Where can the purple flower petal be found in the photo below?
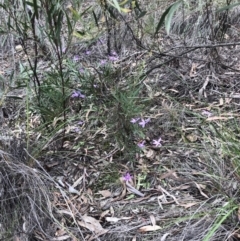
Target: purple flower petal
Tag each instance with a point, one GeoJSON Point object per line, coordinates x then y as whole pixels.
{"type": "Point", "coordinates": [134, 120]}
{"type": "Point", "coordinates": [74, 94]}
{"type": "Point", "coordinates": [112, 58]}
{"type": "Point", "coordinates": [81, 70]}
{"type": "Point", "coordinates": [77, 94]}
{"type": "Point", "coordinates": [81, 96]}
{"type": "Point", "coordinates": [207, 113]}
{"type": "Point", "coordinates": [157, 143]}
{"type": "Point", "coordinates": [88, 52]}
{"type": "Point", "coordinates": [103, 61]}
{"type": "Point", "coordinates": [143, 122]}
{"type": "Point", "coordinates": [127, 177]}
{"type": "Point", "coordinates": [141, 144]}
{"type": "Point", "coordinates": [76, 58]}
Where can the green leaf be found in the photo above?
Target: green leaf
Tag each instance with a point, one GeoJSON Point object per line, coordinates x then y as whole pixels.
{"type": "Point", "coordinates": [167, 17]}
{"type": "Point", "coordinates": [227, 7]}
{"type": "Point", "coordinates": [69, 24]}
{"type": "Point", "coordinates": [115, 4]}
{"type": "Point", "coordinates": [95, 18]}
{"type": "Point", "coordinates": [142, 14]}
{"type": "Point", "coordinates": [35, 7]}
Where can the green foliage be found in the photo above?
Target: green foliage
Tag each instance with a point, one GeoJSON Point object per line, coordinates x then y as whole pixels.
{"type": "Point", "coordinates": [224, 213]}
{"type": "Point", "coordinates": [127, 104]}
{"type": "Point", "coordinates": [167, 17]}
{"type": "Point", "coordinates": [40, 26]}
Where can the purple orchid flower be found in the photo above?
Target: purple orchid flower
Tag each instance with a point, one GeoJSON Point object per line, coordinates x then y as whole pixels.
{"type": "Point", "coordinates": [143, 122]}
{"type": "Point", "coordinates": [206, 113]}
{"type": "Point", "coordinates": [157, 143]}
{"type": "Point", "coordinates": [103, 62]}
{"type": "Point", "coordinates": [81, 70]}
{"type": "Point", "coordinates": [134, 120]}
{"type": "Point", "coordinates": [141, 144]}
{"type": "Point", "coordinates": [113, 58]}
{"type": "Point", "coordinates": [127, 177]}
{"type": "Point", "coordinates": [76, 58]}
{"type": "Point", "coordinates": [77, 94]}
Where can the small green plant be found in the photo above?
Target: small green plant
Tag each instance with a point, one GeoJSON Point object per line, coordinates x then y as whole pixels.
{"type": "Point", "coordinates": [223, 215]}
{"type": "Point", "coordinates": [45, 30]}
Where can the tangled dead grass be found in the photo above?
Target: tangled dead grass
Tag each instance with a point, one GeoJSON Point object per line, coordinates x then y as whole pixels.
{"type": "Point", "coordinates": [25, 199]}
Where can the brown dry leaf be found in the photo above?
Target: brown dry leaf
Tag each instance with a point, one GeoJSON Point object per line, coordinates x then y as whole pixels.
{"type": "Point", "coordinates": [60, 232]}
{"type": "Point", "coordinates": [64, 237]}
{"type": "Point", "coordinates": [105, 193]}
{"type": "Point", "coordinates": [213, 118]}
{"type": "Point", "coordinates": [168, 174]}
{"type": "Point", "coordinates": [149, 228]}
{"type": "Point", "coordinates": [224, 101]}
{"type": "Point", "coordinates": [173, 90]}
{"type": "Point", "coordinates": [91, 223]}
{"type": "Point", "coordinates": [182, 187]}
{"type": "Point", "coordinates": [153, 220]}
{"type": "Point", "coordinates": [112, 219]}
{"type": "Point", "coordinates": [221, 102]}
{"type": "Point", "coordinates": [65, 212]}
{"type": "Point", "coordinates": [164, 237]}
{"type": "Point", "coordinates": [103, 214]}
{"type": "Point", "coordinates": [187, 205]}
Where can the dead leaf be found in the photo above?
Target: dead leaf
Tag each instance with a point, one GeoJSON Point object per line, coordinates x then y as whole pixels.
{"type": "Point", "coordinates": [60, 232]}
{"type": "Point", "coordinates": [182, 187]}
{"type": "Point", "coordinates": [112, 219]}
{"type": "Point", "coordinates": [91, 224]}
{"type": "Point", "coordinates": [163, 238]}
{"type": "Point", "coordinates": [103, 214]}
{"type": "Point", "coordinates": [187, 205]}
{"type": "Point", "coordinates": [149, 228]}
{"type": "Point", "coordinates": [153, 220]}
{"type": "Point", "coordinates": [105, 193]}
{"type": "Point", "coordinates": [64, 237]}
{"type": "Point", "coordinates": [213, 118]}
{"type": "Point", "coordinates": [65, 212]}
{"type": "Point", "coordinates": [173, 90]}
{"type": "Point", "coordinates": [168, 174]}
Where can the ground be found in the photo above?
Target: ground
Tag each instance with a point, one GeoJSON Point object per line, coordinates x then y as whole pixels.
{"type": "Point", "coordinates": [149, 146]}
